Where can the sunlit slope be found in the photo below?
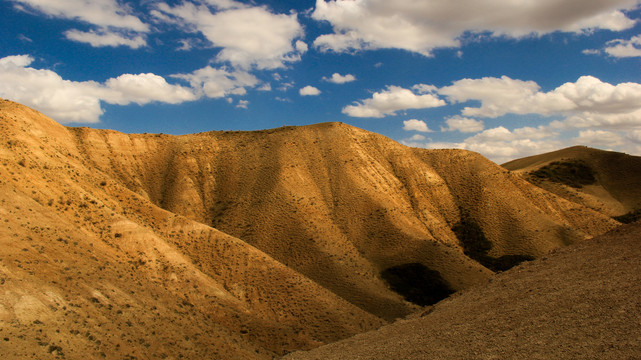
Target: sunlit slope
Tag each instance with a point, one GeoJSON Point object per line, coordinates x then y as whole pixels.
{"type": "Point", "coordinates": [90, 268]}
{"type": "Point", "coordinates": [579, 302]}
{"type": "Point", "coordinates": [616, 188]}
{"type": "Point", "coordinates": [339, 204]}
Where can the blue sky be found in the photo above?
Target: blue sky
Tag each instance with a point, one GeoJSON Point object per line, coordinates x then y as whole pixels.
{"type": "Point", "coordinates": [503, 78]}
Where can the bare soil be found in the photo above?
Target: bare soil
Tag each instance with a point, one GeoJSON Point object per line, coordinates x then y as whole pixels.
{"type": "Point", "coordinates": [581, 302]}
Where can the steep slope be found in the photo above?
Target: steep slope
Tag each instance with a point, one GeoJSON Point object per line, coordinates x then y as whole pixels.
{"type": "Point", "coordinates": [580, 302]}
{"type": "Point", "coordinates": [341, 205]}
{"type": "Point", "coordinates": [90, 268]}
{"type": "Point", "coordinates": [243, 244]}
{"type": "Point", "coordinates": [615, 189]}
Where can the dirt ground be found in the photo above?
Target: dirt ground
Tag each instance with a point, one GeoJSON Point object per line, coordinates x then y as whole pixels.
{"type": "Point", "coordinates": [581, 302]}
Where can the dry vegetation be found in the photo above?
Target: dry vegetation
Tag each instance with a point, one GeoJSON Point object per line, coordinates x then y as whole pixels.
{"type": "Point", "coordinates": [239, 244]}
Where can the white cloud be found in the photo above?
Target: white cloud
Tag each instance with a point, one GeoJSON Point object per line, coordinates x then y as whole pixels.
{"type": "Point", "coordinates": [588, 102]}
{"type": "Point", "coordinates": [388, 102]}
{"type": "Point", "coordinates": [499, 96]}
{"type": "Point", "coordinates": [340, 79]}
{"type": "Point", "coordinates": [309, 91]}
{"type": "Point", "coordinates": [591, 52]}
{"type": "Point", "coordinates": [503, 151]}
{"type": "Point", "coordinates": [301, 46]}
{"type": "Point", "coordinates": [416, 125]}
{"type": "Point", "coordinates": [416, 137]}
{"type": "Point", "coordinates": [421, 26]}
{"type": "Point", "coordinates": [116, 26]}
{"type": "Point", "coordinates": [284, 86]}
{"type": "Point", "coordinates": [265, 87]}
{"type": "Point", "coordinates": [103, 13]}
{"type": "Point", "coordinates": [249, 36]}
{"type": "Point", "coordinates": [142, 89]}
{"type": "Point", "coordinates": [72, 101]}
{"type": "Point", "coordinates": [624, 48]}
{"type": "Point", "coordinates": [105, 38]}
{"type": "Point", "coordinates": [500, 144]}
{"type": "Point", "coordinates": [217, 83]}
{"type": "Point", "coordinates": [599, 138]}
{"type": "Point", "coordinates": [463, 124]}
{"type": "Point", "coordinates": [242, 104]}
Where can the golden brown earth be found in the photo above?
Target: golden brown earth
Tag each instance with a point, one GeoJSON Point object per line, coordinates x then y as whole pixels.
{"type": "Point", "coordinates": [617, 186]}
{"type": "Point", "coordinates": [239, 244]}
{"type": "Point", "coordinates": [580, 302]}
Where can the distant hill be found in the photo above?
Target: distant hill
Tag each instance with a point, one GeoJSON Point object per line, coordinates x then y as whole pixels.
{"type": "Point", "coordinates": [245, 244]}
{"type": "Point", "coordinates": [613, 189]}
{"type": "Point", "coordinates": [580, 302]}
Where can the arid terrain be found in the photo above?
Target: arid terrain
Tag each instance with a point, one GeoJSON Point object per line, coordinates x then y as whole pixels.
{"type": "Point", "coordinates": [250, 244]}
{"type": "Point", "coordinates": [580, 302]}
{"type": "Point", "coordinates": [610, 179]}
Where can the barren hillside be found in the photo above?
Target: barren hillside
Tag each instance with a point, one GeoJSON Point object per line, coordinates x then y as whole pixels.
{"type": "Point", "coordinates": [243, 244]}
{"type": "Point", "coordinates": [580, 302]}
{"type": "Point", "coordinates": [614, 188]}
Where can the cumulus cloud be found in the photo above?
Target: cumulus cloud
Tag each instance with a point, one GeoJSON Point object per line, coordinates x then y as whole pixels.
{"type": "Point", "coordinates": [421, 26]}
{"type": "Point", "coordinates": [463, 124]}
{"type": "Point", "coordinates": [217, 83]}
{"type": "Point", "coordinates": [391, 100]}
{"type": "Point", "coordinates": [105, 38]}
{"type": "Point", "coordinates": [500, 144]}
{"type": "Point", "coordinates": [309, 91]}
{"type": "Point", "coordinates": [80, 101]}
{"type": "Point", "coordinates": [103, 13]}
{"type": "Point", "coordinates": [624, 48]}
{"type": "Point", "coordinates": [605, 115]}
{"type": "Point", "coordinates": [600, 138]}
{"type": "Point", "coordinates": [415, 125]}
{"type": "Point", "coordinates": [116, 24]}
{"type": "Point", "coordinates": [337, 78]}
{"type": "Point", "coordinates": [499, 96]}
{"type": "Point", "coordinates": [249, 36]}
{"type": "Point", "coordinates": [588, 102]}
{"type": "Point", "coordinates": [142, 89]}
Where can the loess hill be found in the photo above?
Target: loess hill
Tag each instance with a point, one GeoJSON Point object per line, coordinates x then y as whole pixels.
{"type": "Point", "coordinates": [606, 181]}
{"type": "Point", "coordinates": [242, 244]}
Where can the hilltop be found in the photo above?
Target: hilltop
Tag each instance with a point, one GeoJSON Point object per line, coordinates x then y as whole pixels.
{"type": "Point", "coordinates": [611, 181]}
{"type": "Point", "coordinates": [246, 244]}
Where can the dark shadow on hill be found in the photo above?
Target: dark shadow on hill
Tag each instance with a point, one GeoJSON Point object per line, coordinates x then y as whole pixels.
{"type": "Point", "coordinates": [574, 173]}
{"type": "Point", "coordinates": [629, 218]}
{"type": "Point", "coordinates": [476, 246]}
{"type": "Point", "coordinates": [417, 283]}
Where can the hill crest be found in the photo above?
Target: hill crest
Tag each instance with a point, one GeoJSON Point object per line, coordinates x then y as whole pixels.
{"type": "Point", "coordinates": [277, 239]}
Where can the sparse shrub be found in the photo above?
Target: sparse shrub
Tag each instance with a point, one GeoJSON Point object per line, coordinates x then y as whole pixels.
{"type": "Point", "coordinates": [417, 283]}
{"type": "Point", "coordinates": [574, 173]}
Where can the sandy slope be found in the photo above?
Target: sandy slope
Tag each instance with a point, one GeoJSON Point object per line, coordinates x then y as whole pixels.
{"type": "Point", "coordinates": [581, 302]}
{"type": "Point", "coordinates": [93, 268]}
{"type": "Point", "coordinates": [340, 204]}
{"type": "Point", "coordinates": [618, 186]}
{"type": "Point", "coordinates": [238, 244]}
